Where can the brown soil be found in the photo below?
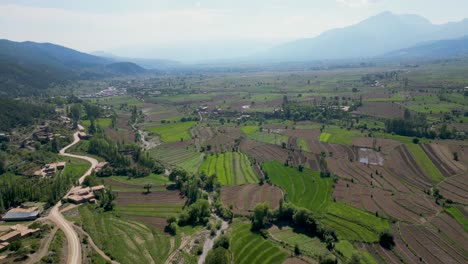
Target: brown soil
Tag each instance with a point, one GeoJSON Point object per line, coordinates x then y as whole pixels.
{"type": "Point", "coordinates": [244, 198]}
{"type": "Point", "coordinates": [380, 109]}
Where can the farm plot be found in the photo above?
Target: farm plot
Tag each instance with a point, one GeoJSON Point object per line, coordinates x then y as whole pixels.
{"type": "Point", "coordinates": [354, 224]}
{"type": "Point", "coordinates": [231, 168]}
{"type": "Point", "coordinates": [173, 132]}
{"type": "Point", "coordinates": [248, 247]}
{"type": "Point", "coordinates": [124, 240]}
{"type": "Point", "coordinates": [347, 250]}
{"type": "Point", "coordinates": [401, 206]}
{"type": "Point", "coordinates": [424, 162]}
{"type": "Point", "coordinates": [381, 109]}
{"type": "Point", "coordinates": [455, 229]}
{"type": "Point", "coordinates": [271, 138]}
{"type": "Point", "coordinates": [305, 189]}
{"type": "Point", "coordinates": [369, 156]}
{"type": "Point", "coordinates": [338, 136]}
{"type": "Point", "coordinates": [178, 154]}
{"type": "Point", "coordinates": [310, 246]}
{"type": "Point", "coordinates": [455, 187]}
{"type": "Point", "coordinates": [442, 157]}
{"type": "Point", "coordinates": [432, 246]}
{"type": "Point", "coordinates": [456, 214]}
{"type": "Point", "coordinates": [243, 198]}
{"type": "Point", "coordinates": [224, 138]}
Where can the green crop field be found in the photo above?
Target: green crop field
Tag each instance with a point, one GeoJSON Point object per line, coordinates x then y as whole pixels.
{"type": "Point", "coordinates": [249, 129]}
{"type": "Point", "coordinates": [271, 138]}
{"type": "Point", "coordinates": [231, 168]}
{"type": "Point", "coordinates": [75, 168]}
{"type": "Point", "coordinates": [173, 132]}
{"type": "Point", "coordinates": [396, 97]}
{"type": "Point", "coordinates": [354, 224]}
{"type": "Point", "coordinates": [311, 246]}
{"type": "Point", "coordinates": [339, 136]}
{"type": "Point", "coordinates": [458, 216]}
{"type": "Point", "coordinates": [302, 143]}
{"type": "Point", "coordinates": [424, 162]}
{"type": "Point", "coordinates": [154, 179]}
{"type": "Point", "coordinates": [102, 122]}
{"type": "Point", "coordinates": [248, 247]}
{"type": "Point", "coordinates": [187, 158]}
{"type": "Point", "coordinates": [347, 250]}
{"type": "Point", "coordinates": [305, 189]}
{"type": "Point", "coordinates": [124, 240]}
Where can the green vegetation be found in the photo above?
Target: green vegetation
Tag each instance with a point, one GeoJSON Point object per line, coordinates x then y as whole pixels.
{"type": "Point", "coordinates": [271, 138]}
{"type": "Point", "coordinates": [304, 189]}
{"type": "Point", "coordinates": [332, 134]}
{"type": "Point", "coordinates": [155, 179]}
{"type": "Point", "coordinates": [248, 247]}
{"type": "Point", "coordinates": [302, 143]}
{"type": "Point", "coordinates": [231, 168]}
{"type": "Point", "coordinates": [173, 132]}
{"type": "Point", "coordinates": [102, 122]}
{"type": "Point", "coordinates": [55, 248]}
{"type": "Point", "coordinates": [347, 249]}
{"type": "Point", "coordinates": [311, 246]}
{"type": "Point", "coordinates": [394, 98]}
{"type": "Point", "coordinates": [249, 129]}
{"type": "Point", "coordinates": [187, 158]}
{"type": "Point", "coordinates": [354, 224]}
{"type": "Point", "coordinates": [124, 240]}
{"type": "Point", "coordinates": [458, 216]}
{"type": "Point", "coordinates": [424, 162]}
{"type": "Point", "coordinates": [75, 168]}
{"type": "Point", "coordinates": [19, 113]}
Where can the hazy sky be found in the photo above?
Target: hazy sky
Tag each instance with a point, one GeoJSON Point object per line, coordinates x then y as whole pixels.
{"type": "Point", "coordinates": [129, 27]}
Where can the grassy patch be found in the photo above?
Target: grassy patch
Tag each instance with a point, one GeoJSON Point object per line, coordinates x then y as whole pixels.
{"type": "Point", "coordinates": [305, 189]}
{"type": "Point", "coordinates": [271, 138]}
{"type": "Point", "coordinates": [249, 129]}
{"type": "Point", "coordinates": [458, 216]}
{"type": "Point", "coordinates": [302, 143]}
{"type": "Point", "coordinates": [347, 250]}
{"type": "Point", "coordinates": [424, 162]}
{"type": "Point", "coordinates": [354, 224]}
{"type": "Point", "coordinates": [311, 246]}
{"type": "Point", "coordinates": [124, 240]}
{"type": "Point", "coordinates": [187, 158]}
{"type": "Point", "coordinates": [173, 132]}
{"type": "Point", "coordinates": [102, 122]}
{"type": "Point", "coordinates": [154, 179]}
{"type": "Point", "coordinates": [75, 168]}
{"type": "Point", "coordinates": [401, 139]}
{"type": "Point", "coordinates": [339, 136]}
{"type": "Point", "coordinates": [394, 98]}
{"type": "Point", "coordinates": [231, 168]}
{"type": "Point", "coordinates": [248, 247]}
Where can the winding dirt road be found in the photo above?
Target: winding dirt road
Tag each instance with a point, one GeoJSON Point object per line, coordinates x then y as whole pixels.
{"type": "Point", "coordinates": [74, 245]}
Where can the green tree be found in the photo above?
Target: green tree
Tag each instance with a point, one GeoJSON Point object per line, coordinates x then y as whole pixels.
{"type": "Point", "coordinates": [260, 216]}
{"type": "Point", "coordinates": [148, 187]}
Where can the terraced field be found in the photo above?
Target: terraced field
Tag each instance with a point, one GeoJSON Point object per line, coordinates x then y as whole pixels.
{"type": "Point", "coordinates": [310, 246]}
{"type": "Point", "coordinates": [178, 154]}
{"type": "Point", "coordinates": [231, 168]}
{"type": "Point", "coordinates": [346, 249]}
{"type": "Point", "coordinates": [124, 240]}
{"type": "Point", "coordinates": [305, 189]}
{"type": "Point", "coordinates": [354, 224]}
{"type": "Point", "coordinates": [173, 132]}
{"type": "Point", "coordinates": [248, 247]}
{"type": "Point", "coordinates": [424, 162]}
{"type": "Point", "coordinates": [338, 136]}
{"type": "Point", "coordinates": [265, 137]}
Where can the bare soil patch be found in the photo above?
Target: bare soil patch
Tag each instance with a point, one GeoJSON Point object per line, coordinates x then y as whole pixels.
{"type": "Point", "coordinates": [243, 198]}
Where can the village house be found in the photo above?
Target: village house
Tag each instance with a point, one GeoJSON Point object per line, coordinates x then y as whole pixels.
{"type": "Point", "coordinates": [17, 231]}
{"type": "Point", "coordinates": [80, 195]}
{"type": "Point", "coordinates": [21, 214]}
{"type": "Point", "coordinates": [83, 135]}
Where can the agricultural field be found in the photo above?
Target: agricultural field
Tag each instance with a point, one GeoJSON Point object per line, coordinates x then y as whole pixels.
{"type": "Point", "coordinates": [304, 189]}
{"type": "Point", "coordinates": [424, 162]}
{"type": "Point", "coordinates": [339, 136]}
{"type": "Point", "coordinates": [173, 132]}
{"type": "Point", "coordinates": [310, 246]}
{"type": "Point", "coordinates": [248, 247]}
{"type": "Point", "coordinates": [243, 198]}
{"type": "Point", "coordinates": [231, 168]}
{"type": "Point", "coordinates": [347, 250]}
{"type": "Point", "coordinates": [124, 240]}
{"type": "Point", "coordinates": [178, 154]}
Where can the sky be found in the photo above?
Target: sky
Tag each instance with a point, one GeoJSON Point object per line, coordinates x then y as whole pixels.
{"type": "Point", "coordinates": [193, 29]}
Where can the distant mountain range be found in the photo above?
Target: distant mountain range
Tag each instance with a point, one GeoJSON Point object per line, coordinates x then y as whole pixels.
{"type": "Point", "coordinates": [435, 49]}
{"type": "Point", "coordinates": [372, 37]}
{"type": "Point", "coordinates": [29, 67]}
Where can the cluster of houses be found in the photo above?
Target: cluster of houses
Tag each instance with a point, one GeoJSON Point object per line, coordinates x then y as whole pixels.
{"type": "Point", "coordinates": [80, 194]}
{"type": "Point", "coordinates": [109, 92]}
{"type": "Point", "coordinates": [15, 232]}
{"type": "Point", "coordinates": [50, 169]}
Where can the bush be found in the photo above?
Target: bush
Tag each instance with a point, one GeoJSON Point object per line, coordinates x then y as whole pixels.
{"type": "Point", "coordinates": [415, 140]}
{"type": "Point", "coordinates": [386, 240]}
{"type": "Point", "coordinates": [222, 241]}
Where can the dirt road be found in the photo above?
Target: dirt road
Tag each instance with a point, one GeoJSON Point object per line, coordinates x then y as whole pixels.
{"type": "Point", "coordinates": [74, 245]}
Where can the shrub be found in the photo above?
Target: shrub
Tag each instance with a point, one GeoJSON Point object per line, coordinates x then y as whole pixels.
{"type": "Point", "coordinates": [386, 240]}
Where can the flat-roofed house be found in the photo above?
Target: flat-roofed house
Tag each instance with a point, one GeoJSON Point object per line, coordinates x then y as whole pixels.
{"type": "Point", "coordinates": [21, 214]}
